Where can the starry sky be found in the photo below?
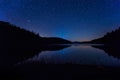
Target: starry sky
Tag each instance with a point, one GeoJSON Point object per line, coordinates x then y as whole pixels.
{"type": "Point", "coordinates": [75, 20]}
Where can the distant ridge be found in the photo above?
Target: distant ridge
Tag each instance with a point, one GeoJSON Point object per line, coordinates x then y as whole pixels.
{"type": "Point", "coordinates": [12, 36]}
{"type": "Point", "coordinates": [110, 38]}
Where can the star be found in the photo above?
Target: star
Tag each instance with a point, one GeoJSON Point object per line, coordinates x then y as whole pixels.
{"type": "Point", "coordinates": [28, 20]}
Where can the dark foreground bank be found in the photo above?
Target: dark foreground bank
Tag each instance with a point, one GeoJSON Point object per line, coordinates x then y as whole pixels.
{"type": "Point", "coordinates": [59, 72]}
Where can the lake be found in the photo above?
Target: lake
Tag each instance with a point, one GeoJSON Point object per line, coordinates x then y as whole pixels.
{"type": "Point", "coordinates": [96, 62]}
{"type": "Point", "coordinates": [84, 54]}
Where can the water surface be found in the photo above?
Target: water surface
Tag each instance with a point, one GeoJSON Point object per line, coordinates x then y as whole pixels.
{"type": "Point", "coordinates": [77, 54]}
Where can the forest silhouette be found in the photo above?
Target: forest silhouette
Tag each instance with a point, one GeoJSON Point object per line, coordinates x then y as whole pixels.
{"type": "Point", "coordinates": [17, 44]}
{"type": "Point", "coordinates": [16, 37]}
{"type": "Point", "coordinates": [110, 38]}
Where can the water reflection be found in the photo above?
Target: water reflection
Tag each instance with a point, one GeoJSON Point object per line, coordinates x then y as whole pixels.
{"type": "Point", "coordinates": [62, 54]}
{"type": "Point", "coordinates": [110, 50]}
{"type": "Point", "coordinates": [10, 57]}
{"type": "Point", "coordinates": [82, 54]}
{"type": "Point", "coordinates": [27, 62]}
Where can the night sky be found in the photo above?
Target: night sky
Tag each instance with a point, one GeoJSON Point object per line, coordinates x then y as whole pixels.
{"type": "Point", "coordinates": [75, 20]}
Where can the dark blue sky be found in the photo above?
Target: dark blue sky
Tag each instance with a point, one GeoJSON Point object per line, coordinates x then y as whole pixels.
{"type": "Point", "coordinates": [75, 20]}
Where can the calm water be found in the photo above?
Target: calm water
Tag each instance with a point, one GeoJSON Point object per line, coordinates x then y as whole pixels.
{"type": "Point", "coordinates": [77, 54]}
{"type": "Point", "coordinates": [25, 64]}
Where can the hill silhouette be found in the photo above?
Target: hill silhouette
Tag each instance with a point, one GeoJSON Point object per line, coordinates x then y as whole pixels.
{"type": "Point", "coordinates": [17, 44]}
{"type": "Point", "coordinates": [16, 37]}
{"type": "Point", "coordinates": [111, 38]}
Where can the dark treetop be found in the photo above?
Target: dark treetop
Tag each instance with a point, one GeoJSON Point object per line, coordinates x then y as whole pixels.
{"type": "Point", "coordinates": [17, 44]}
{"type": "Point", "coordinates": [16, 37]}
{"type": "Point", "coordinates": [110, 38]}
{"type": "Point", "coordinates": [76, 20]}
